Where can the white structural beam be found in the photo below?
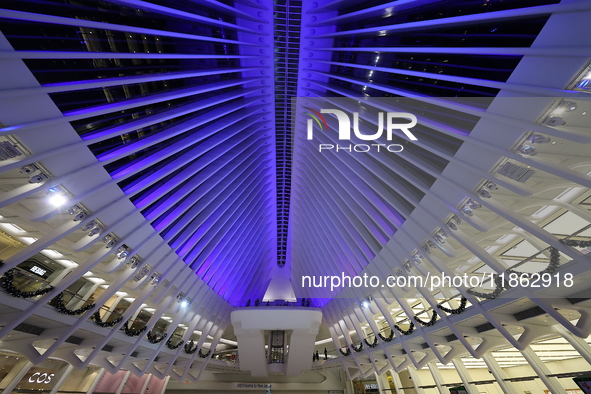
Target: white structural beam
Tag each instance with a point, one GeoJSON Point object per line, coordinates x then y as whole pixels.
{"type": "Point", "coordinates": [552, 383]}
{"type": "Point", "coordinates": [500, 375]}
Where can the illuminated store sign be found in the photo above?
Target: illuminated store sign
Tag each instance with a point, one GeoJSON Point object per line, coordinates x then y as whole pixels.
{"type": "Point", "coordinates": [37, 270]}
{"type": "Point", "coordinates": [38, 377]}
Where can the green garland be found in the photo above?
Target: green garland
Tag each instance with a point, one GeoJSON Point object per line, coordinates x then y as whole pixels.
{"type": "Point", "coordinates": [345, 353]}
{"type": "Point", "coordinates": [429, 323]}
{"type": "Point", "coordinates": [388, 338]}
{"type": "Point", "coordinates": [96, 316]}
{"type": "Point", "coordinates": [133, 333]}
{"type": "Point", "coordinates": [189, 348]}
{"type": "Point", "coordinates": [155, 338]}
{"type": "Point", "coordinates": [173, 347]}
{"type": "Point", "coordinates": [456, 311]}
{"type": "Point", "coordinates": [410, 330]}
{"type": "Point", "coordinates": [8, 285]}
{"type": "Point", "coordinates": [61, 307]}
{"type": "Point", "coordinates": [371, 345]}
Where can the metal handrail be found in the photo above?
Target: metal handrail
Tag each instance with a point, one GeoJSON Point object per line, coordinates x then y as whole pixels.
{"type": "Point", "coordinates": [277, 303]}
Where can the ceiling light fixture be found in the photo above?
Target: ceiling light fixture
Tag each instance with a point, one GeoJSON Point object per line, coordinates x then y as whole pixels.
{"type": "Point", "coordinates": [122, 252]}
{"type": "Point", "coordinates": [75, 209]}
{"type": "Point", "coordinates": [554, 121]}
{"type": "Point", "coordinates": [469, 207]}
{"type": "Point", "coordinates": [527, 150]}
{"type": "Point", "coordinates": [133, 262]}
{"type": "Point", "coordinates": [365, 303]}
{"type": "Point", "coordinates": [440, 236]}
{"type": "Point", "coordinates": [89, 225]}
{"type": "Point", "coordinates": [484, 193]}
{"type": "Point", "coordinates": [538, 139]}
{"type": "Point", "coordinates": [154, 279]}
{"type": "Point", "coordinates": [79, 216]}
{"type": "Point", "coordinates": [38, 178]}
{"type": "Point", "coordinates": [454, 222]}
{"type": "Point", "coordinates": [56, 197]}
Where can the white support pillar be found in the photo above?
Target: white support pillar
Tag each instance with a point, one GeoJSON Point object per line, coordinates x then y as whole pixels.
{"type": "Point", "coordinates": [498, 373]}
{"type": "Point", "coordinates": [86, 295]}
{"type": "Point", "coordinates": [580, 344]}
{"type": "Point", "coordinates": [145, 386]}
{"type": "Point", "coordinates": [17, 373]}
{"type": "Point", "coordinates": [99, 375]}
{"type": "Point", "coordinates": [414, 376]}
{"type": "Point", "coordinates": [380, 384]}
{"type": "Point", "coordinates": [61, 276]}
{"type": "Point", "coordinates": [396, 381]}
{"type": "Point", "coordinates": [135, 314]}
{"type": "Point", "coordinates": [68, 369]}
{"type": "Point", "coordinates": [552, 383]}
{"type": "Point", "coordinates": [112, 307]}
{"type": "Point", "coordinates": [165, 384]}
{"type": "Point", "coordinates": [437, 378]}
{"type": "Point", "coordinates": [346, 381]}
{"type": "Point", "coordinates": [120, 389]}
{"type": "Point", "coordinates": [465, 376]}
{"type": "Point", "coordinates": [385, 384]}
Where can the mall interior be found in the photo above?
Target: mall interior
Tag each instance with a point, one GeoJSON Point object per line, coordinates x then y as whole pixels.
{"type": "Point", "coordinates": [172, 171]}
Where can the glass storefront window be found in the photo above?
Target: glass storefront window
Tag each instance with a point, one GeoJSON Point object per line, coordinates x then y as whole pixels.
{"type": "Point", "coordinates": [7, 363]}
{"type": "Point", "coordinates": [142, 319]}
{"type": "Point", "coordinates": [79, 381]}
{"type": "Point", "coordinates": [42, 377]}
{"type": "Point", "coordinates": [35, 273]}
{"type": "Point", "coordinates": [161, 326]}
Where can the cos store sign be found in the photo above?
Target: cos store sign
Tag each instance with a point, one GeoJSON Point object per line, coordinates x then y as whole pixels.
{"type": "Point", "coordinates": [43, 378]}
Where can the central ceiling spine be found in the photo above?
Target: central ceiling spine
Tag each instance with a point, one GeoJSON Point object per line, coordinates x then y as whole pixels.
{"type": "Point", "coordinates": [287, 26]}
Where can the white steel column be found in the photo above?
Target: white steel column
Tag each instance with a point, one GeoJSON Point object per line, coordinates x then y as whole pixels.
{"type": "Point", "coordinates": [386, 383]}
{"type": "Point", "coordinates": [437, 378]}
{"type": "Point", "coordinates": [414, 376]}
{"type": "Point", "coordinates": [87, 295]}
{"type": "Point", "coordinates": [17, 373]}
{"type": "Point", "coordinates": [380, 383]}
{"type": "Point", "coordinates": [347, 381]}
{"type": "Point", "coordinates": [69, 368]}
{"type": "Point", "coordinates": [580, 344]}
{"type": "Point", "coordinates": [120, 389]}
{"type": "Point", "coordinates": [165, 384]}
{"type": "Point", "coordinates": [552, 383]}
{"type": "Point", "coordinates": [498, 373]}
{"type": "Point", "coordinates": [99, 375]}
{"type": "Point", "coordinates": [465, 376]}
{"type": "Point", "coordinates": [145, 386]}
{"type": "Point", "coordinates": [396, 381]}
